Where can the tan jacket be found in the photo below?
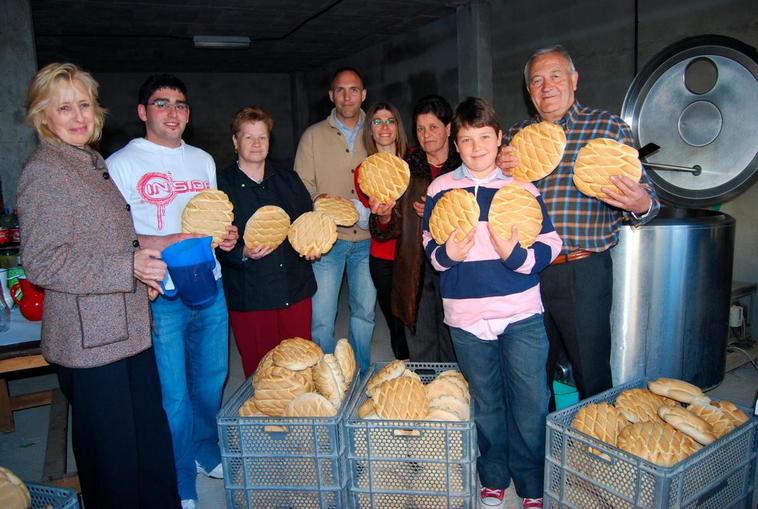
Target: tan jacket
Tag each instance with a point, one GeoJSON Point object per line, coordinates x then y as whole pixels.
{"type": "Point", "coordinates": [78, 242]}
{"type": "Point", "coordinates": [325, 165]}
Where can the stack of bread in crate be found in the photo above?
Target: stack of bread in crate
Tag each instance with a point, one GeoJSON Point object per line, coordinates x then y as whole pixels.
{"type": "Point", "coordinates": [397, 393]}
{"type": "Point", "coordinates": [296, 379]}
{"type": "Point", "coordinates": [663, 424]}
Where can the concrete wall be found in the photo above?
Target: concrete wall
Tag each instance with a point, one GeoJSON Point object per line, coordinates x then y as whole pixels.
{"type": "Point", "coordinates": [18, 62]}
{"type": "Point", "coordinates": [600, 37]}
{"type": "Point", "coordinates": [400, 71]}
{"type": "Point", "coordinates": [214, 99]}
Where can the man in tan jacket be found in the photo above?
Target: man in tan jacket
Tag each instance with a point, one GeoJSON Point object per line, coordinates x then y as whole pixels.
{"type": "Point", "coordinates": [327, 155]}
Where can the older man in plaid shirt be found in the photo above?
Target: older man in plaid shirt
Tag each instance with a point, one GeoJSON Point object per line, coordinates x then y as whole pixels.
{"type": "Point", "coordinates": [577, 287]}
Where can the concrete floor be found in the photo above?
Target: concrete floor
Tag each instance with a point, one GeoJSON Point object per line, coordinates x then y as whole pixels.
{"type": "Point", "coordinates": [23, 450]}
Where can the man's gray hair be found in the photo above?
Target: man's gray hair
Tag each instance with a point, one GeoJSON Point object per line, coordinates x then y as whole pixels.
{"type": "Point", "coordinates": [543, 51]}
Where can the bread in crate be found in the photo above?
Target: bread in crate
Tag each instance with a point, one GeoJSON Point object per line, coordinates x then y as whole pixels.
{"type": "Point", "coordinates": [671, 432]}
{"type": "Point", "coordinates": [296, 379]}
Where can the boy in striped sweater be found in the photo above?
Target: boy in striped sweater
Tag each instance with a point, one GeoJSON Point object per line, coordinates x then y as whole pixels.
{"type": "Point", "coordinates": [491, 297]}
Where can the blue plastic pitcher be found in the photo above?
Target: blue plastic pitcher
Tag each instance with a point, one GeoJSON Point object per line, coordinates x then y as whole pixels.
{"type": "Point", "coordinates": [190, 264]}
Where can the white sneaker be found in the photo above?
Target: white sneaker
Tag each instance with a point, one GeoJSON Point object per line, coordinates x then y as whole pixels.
{"type": "Point", "coordinates": [216, 473]}
{"type": "Point", "coordinates": [188, 503]}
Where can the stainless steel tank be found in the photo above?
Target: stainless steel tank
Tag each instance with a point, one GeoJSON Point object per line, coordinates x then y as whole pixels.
{"type": "Point", "coordinates": [671, 294]}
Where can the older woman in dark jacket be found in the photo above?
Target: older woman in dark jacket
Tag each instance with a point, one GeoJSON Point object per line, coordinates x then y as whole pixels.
{"type": "Point", "coordinates": [78, 243]}
{"type": "Point", "coordinates": [415, 284]}
{"type": "Point", "coordinates": [268, 291]}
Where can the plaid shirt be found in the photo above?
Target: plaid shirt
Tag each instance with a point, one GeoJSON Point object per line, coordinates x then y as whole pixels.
{"type": "Point", "coordinates": [584, 222]}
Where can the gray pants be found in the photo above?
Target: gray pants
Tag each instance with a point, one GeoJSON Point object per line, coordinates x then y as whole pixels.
{"type": "Point", "coordinates": [430, 342]}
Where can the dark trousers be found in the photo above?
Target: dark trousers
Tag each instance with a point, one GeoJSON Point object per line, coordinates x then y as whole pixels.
{"type": "Point", "coordinates": [381, 275]}
{"type": "Point", "coordinates": [120, 434]}
{"type": "Point", "coordinates": [430, 340]}
{"type": "Point", "coordinates": [577, 300]}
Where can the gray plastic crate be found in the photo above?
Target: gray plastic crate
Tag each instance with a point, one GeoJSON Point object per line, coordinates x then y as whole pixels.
{"type": "Point", "coordinates": [718, 476]}
{"type": "Point", "coordinates": [282, 462]}
{"type": "Point", "coordinates": [44, 496]}
{"type": "Point", "coordinates": [410, 464]}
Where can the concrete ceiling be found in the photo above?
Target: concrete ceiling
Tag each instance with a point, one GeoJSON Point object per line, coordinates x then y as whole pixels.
{"type": "Point", "coordinates": [287, 35]}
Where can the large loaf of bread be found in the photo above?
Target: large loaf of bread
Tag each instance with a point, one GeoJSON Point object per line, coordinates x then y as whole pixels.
{"type": "Point", "coordinates": [539, 148]}
{"type": "Point", "coordinates": [13, 492]}
{"type": "Point", "coordinates": [208, 213]}
{"type": "Point", "coordinates": [679, 390]}
{"type": "Point", "coordinates": [456, 210]}
{"type": "Point", "coordinates": [599, 160]}
{"type": "Point", "coordinates": [688, 423]}
{"type": "Point", "coordinates": [658, 443]}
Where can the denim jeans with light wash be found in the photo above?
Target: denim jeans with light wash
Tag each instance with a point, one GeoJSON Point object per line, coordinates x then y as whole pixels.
{"type": "Point", "coordinates": [362, 298]}
{"type": "Point", "coordinates": [508, 382]}
{"type": "Point", "coordinates": [192, 352]}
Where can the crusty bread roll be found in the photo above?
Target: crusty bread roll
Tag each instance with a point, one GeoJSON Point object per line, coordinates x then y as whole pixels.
{"type": "Point", "coordinates": [688, 423]}
{"type": "Point", "coordinates": [402, 398]}
{"type": "Point", "coordinates": [514, 205]}
{"type": "Point", "coordinates": [250, 409]}
{"type": "Point", "coordinates": [737, 416]}
{"type": "Point", "coordinates": [640, 405]}
{"type": "Point", "coordinates": [447, 386]}
{"type": "Point", "coordinates": [346, 358]}
{"type": "Point", "coordinates": [268, 226]}
{"type": "Point", "coordinates": [658, 443]}
{"type": "Point", "coordinates": [310, 404]}
{"type": "Point", "coordinates": [329, 380]}
{"type": "Point", "coordinates": [384, 176]}
{"type": "Point", "coordinates": [274, 391]}
{"type": "Point", "coordinates": [451, 404]}
{"type": "Point", "coordinates": [600, 159]}
{"type": "Point", "coordinates": [297, 354]}
{"type": "Point", "coordinates": [457, 209]}
{"type": "Point", "coordinates": [266, 362]}
{"type": "Point", "coordinates": [312, 234]}
{"type": "Point", "coordinates": [392, 370]}
{"type": "Point", "coordinates": [441, 414]}
{"type": "Point", "coordinates": [600, 420]}
{"type": "Point", "coordinates": [720, 423]}
{"type": "Point", "coordinates": [539, 149]}
{"type": "Point", "coordinates": [13, 492]}
{"type": "Point", "coordinates": [208, 213]}
{"type": "Point", "coordinates": [455, 374]}
{"type": "Point", "coordinates": [366, 409]}
{"type": "Point", "coordinates": [679, 390]}
{"type": "Point", "coordinates": [341, 210]}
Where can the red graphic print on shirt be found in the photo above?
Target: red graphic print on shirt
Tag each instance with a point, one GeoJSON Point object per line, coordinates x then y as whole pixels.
{"type": "Point", "coordinates": [160, 189]}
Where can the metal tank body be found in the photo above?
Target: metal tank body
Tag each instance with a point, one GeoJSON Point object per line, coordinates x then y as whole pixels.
{"type": "Point", "coordinates": [671, 295]}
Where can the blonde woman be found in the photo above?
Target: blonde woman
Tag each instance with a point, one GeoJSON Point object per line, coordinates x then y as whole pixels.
{"type": "Point", "coordinates": [79, 244]}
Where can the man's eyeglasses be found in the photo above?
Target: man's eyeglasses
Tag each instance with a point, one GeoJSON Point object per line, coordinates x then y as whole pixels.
{"type": "Point", "coordinates": [165, 104]}
{"type": "Point", "coordinates": [378, 122]}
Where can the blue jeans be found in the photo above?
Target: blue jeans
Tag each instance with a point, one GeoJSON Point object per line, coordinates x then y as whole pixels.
{"type": "Point", "coordinates": [192, 352]}
{"type": "Point", "coordinates": [508, 382]}
{"type": "Point", "coordinates": [362, 298]}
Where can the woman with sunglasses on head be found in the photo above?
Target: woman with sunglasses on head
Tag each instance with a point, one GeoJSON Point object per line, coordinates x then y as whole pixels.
{"type": "Point", "coordinates": [385, 134]}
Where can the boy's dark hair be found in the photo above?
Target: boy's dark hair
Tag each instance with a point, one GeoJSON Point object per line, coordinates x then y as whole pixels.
{"type": "Point", "coordinates": [474, 112]}
{"type": "Point", "coordinates": [346, 69]}
{"type": "Point", "coordinates": [435, 104]}
{"type": "Point", "coordinates": [157, 82]}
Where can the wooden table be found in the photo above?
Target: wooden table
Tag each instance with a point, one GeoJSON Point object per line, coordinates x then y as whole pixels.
{"type": "Point", "coordinates": [16, 358]}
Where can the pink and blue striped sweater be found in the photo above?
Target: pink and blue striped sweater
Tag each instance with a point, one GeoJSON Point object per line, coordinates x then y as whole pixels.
{"type": "Point", "coordinates": [483, 289]}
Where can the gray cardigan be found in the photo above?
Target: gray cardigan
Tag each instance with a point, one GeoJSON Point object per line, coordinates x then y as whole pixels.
{"type": "Point", "coordinates": [78, 242]}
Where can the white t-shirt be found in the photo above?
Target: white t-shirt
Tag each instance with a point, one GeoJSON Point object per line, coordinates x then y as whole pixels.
{"type": "Point", "coordinates": [157, 182]}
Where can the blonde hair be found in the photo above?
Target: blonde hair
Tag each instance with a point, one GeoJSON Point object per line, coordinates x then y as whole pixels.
{"type": "Point", "coordinates": [41, 91]}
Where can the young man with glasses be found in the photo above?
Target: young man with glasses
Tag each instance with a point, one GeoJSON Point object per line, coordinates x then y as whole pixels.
{"type": "Point", "coordinates": [157, 175]}
{"type": "Point", "coordinates": [326, 157]}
